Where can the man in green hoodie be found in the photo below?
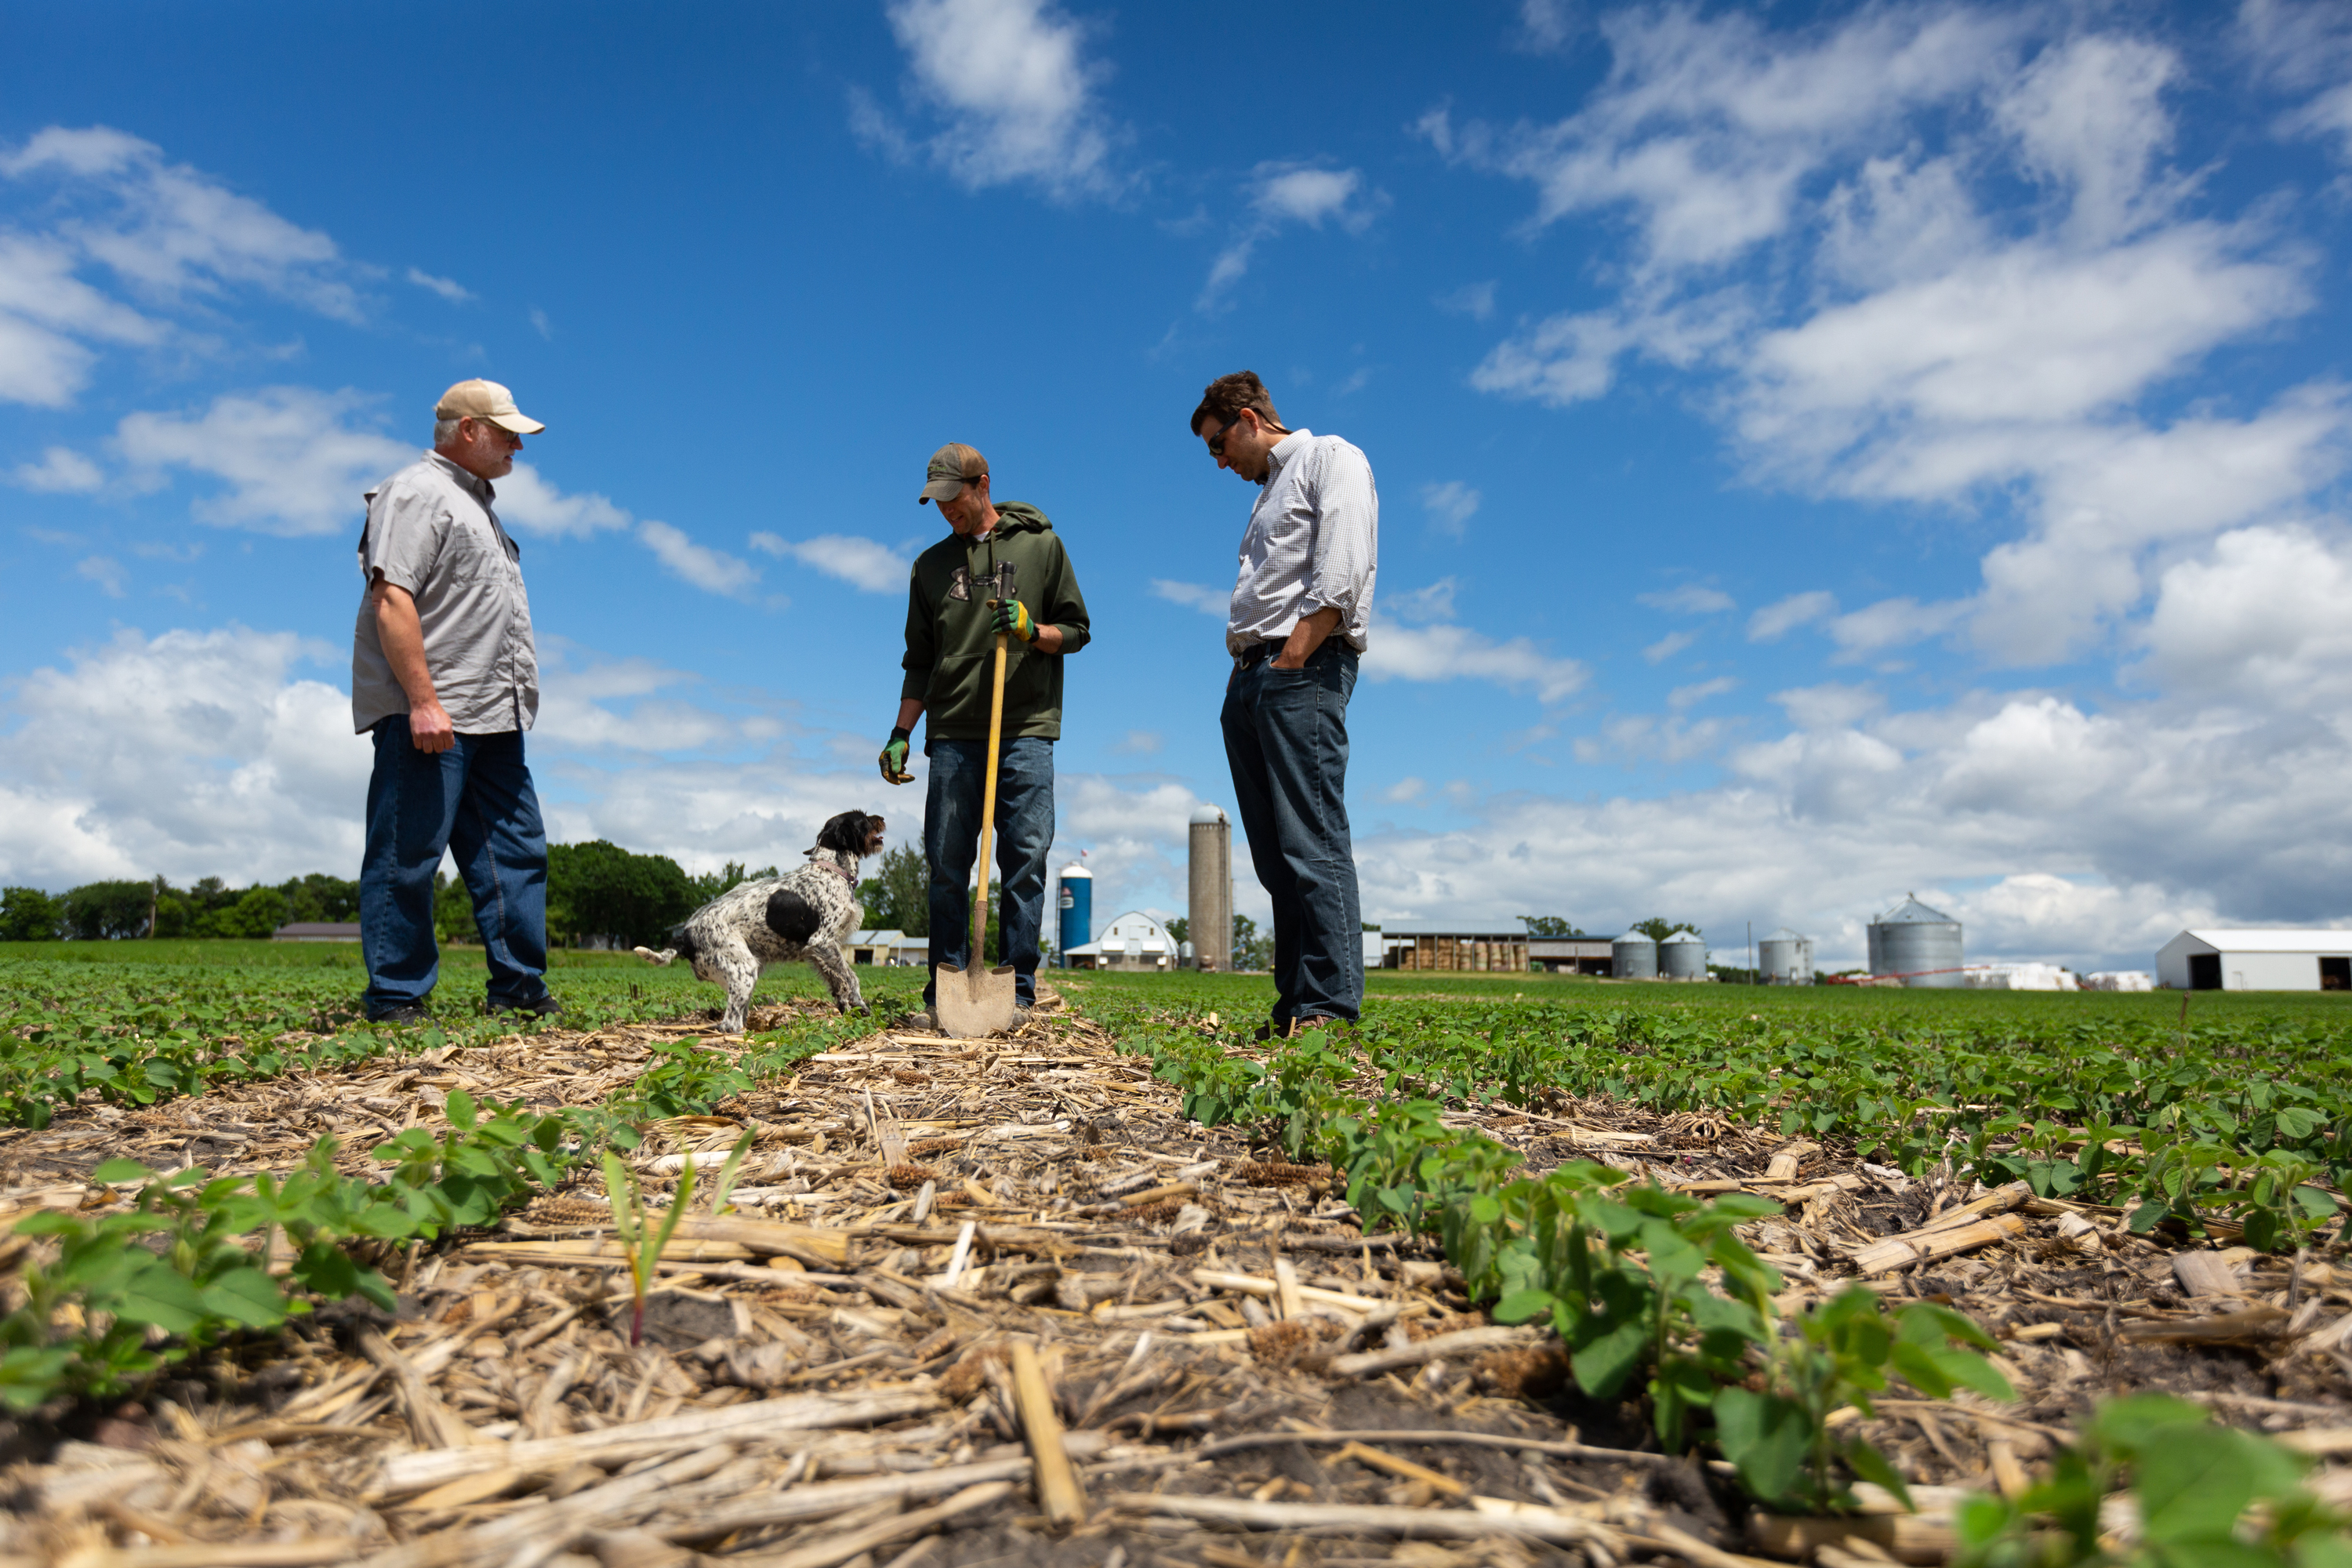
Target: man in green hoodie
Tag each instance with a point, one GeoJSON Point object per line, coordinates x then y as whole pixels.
{"type": "Point", "coordinates": [1001, 570]}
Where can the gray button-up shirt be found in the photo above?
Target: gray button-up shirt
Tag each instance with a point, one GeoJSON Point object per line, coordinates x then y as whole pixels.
{"type": "Point", "coordinates": [1313, 542]}
{"type": "Point", "coordinates": [430, 530]}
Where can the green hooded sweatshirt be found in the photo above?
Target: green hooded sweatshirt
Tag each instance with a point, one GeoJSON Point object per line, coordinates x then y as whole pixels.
{"type": "Point", "coordinates": [950, 659]}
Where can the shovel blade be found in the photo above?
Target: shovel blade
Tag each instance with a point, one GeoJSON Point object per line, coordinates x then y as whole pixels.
{"type": "Point", "coordinates": [976, 1001]}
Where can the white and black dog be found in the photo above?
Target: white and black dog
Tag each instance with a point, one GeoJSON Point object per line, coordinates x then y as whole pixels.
{"type": "Point", "coordinates": [781, 919]}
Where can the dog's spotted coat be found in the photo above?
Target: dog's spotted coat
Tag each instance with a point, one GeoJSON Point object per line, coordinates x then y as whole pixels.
{"type": "Point", "coordinates": [782, 919]}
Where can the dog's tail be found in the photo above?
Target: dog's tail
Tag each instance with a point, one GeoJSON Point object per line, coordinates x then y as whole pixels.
{"type": "Point", "coordinates": [681, 945]}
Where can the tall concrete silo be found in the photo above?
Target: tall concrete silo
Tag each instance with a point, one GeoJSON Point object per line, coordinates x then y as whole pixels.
{"type": "Point", "coordinates": [1683, 956]}
{"type": "Point", "coordinates": [1076, 905]}
{"type": "Point", "coordinates": [1209, 914]}
{"type": "Point", "coordinates": [1784, 957]}
{"type": "Point", "coordinates": [1915, 941]}
{"type": "Point", "coordinates": [1634, 956]}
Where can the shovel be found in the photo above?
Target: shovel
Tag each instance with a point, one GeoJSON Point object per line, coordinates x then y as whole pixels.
{"type": "Point", "coordinates": [975, 1001]}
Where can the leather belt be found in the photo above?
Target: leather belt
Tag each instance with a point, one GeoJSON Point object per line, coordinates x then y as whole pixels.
{"type": "Point", "coordinates": [1250, 656]}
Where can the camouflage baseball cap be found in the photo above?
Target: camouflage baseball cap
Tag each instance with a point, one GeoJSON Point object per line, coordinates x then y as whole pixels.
{"type": "Point", "coordinates": [952, 468]}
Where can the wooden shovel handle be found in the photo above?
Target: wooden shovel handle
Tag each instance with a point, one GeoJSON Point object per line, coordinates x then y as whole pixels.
{"type": "Point", "coordinates": [975, 962]}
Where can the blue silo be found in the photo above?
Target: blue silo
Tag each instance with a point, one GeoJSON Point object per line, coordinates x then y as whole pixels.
{"type": "Point", "coordinates": [1076, 901]}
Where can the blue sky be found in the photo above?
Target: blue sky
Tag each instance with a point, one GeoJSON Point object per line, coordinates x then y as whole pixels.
{"type": "Point", "coordinates": [1824, 453]}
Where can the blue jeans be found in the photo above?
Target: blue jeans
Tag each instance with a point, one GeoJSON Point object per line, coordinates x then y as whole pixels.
{"type": "Point", "coordinates": [1286, 742]}
{"type": "Point", "coordinates": [475, 799]}
{"type": "Point", "coordinates": [1024, 832]}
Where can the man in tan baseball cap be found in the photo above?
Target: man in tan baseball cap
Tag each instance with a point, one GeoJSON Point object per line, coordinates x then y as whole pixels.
{"type": "Point", "coordinates": [479, 399]}
{"type": "Point", "coordinates": [445, 676]}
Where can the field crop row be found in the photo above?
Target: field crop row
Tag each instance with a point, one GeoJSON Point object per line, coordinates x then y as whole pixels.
{"type": "Point", "coordinates": [2243, 1112]}
{"type": "Point", "coordinates": [138, 1033]}
{"type": "Point", "coordinates": [182, 1260]}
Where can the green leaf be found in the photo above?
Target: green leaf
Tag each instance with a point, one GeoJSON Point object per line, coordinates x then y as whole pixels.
{"type": "Point", "coordinates": [1916, 1363]}
{"type": "Point", "coordinates": [1672, 1258]}
{"type": "Point", "coordinates": [246, 1296]}
{"type": "Point", "coordinates": [1765, 1436]}
{"type": "Point", "coordinates": [1522, 1305]}
{"type": "Point", "coordinates": [1971, 1371]}
{"type": "Point", "coordinates": [29, 1374]}
{"type": "Point", "coordinates": [1870, 1465]}
{"type": "Point", "coordinates": [122, 1172]}
{"type": "Point", "coordinates": [1605, 1360]}
{"type": "Point", "coordinates": [156, 1294]}
{"type": "Point", "coordinates": [2194, 1482]}
{"type": "Point", "coordinates": [460, 1110]}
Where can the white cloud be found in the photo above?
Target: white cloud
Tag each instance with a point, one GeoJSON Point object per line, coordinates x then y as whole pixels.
{"type": "Point", "coordinates": [1439, 652]}
{"type": "Point", "coordinates": [106, 572]}
{"type": "Point", "coordinates": [1902, 345]}
{"type": "Point", "coordinates": [1139, 743]}
{"type": "Point", "coordinates": [1432, 603]}
{"type": "Point", "coordinates": [450, 289]}
{"type": "Point", "coordinates": [1476, 300]}
{"type": "Point", "coordinates": [2306, 47]}
{"type": "Point", "coordinates": [1891, 623]}
{"type": "Point", "coordinates": [1640, 737]}
{"type": "Point", "coordinates": [45, 312]}
{"type": "Point", "coordinates": [528, 502]}
{"type": "Point", "coordinates": [2259, 621]}
{"type": "Point", "coordinates": [1451, 506]}
{"type": "Point", "coordinates": [1290, 193]}
{"type": "Point", "coordinates": [1666, 647]}
{"type": "Point", "coordinates": [1405, 791]}
{"type": "Point", "coordinates": [1548, 24]}
{"type": "Point", "coordinates": [1829, 706]}
{"type": "Point", "coordinates": [290, 461]}
{"type": "Point", "coordinates": [1683, 697]}
{"type": "Point", "coordinates": [168, 231]}
{"type": "Point", "coordinates": [1782, 616]}
{"type": "Point", "coordinates": [61, 470]}
{"type": "Point", "coordinates": [1709, 126]}
{"type": "Point", "coordinates": [2087, 118]}
{"type": "Point", "coordinates": [860, 563]}
{"type": "Point", "coordinates": [1689, 599]}
{"type": "Point", "coordinates": [540, 324]}
{"type": "Point", "coordinates": [1013, 82]}
{"type": "Point", "coordinates": [713, 570]}
{"type": "Point", "coordinates": [188, 754]}
{"type": "Point", "coordinates": [1217, 602]}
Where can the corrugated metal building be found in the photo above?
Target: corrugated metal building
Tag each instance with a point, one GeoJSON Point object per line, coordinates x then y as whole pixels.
{"type": "Point", "coordinates": [2262, 958]}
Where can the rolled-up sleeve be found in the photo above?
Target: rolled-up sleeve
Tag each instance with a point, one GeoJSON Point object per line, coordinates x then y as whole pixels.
{"type": "Point", "coordinates": [1347, 535]}
{"type": "Point", "coordinates": [404, 533]}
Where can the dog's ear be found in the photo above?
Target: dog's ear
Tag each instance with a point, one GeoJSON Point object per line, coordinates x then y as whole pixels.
{"type": "Point", "coordinates": [843, 833]}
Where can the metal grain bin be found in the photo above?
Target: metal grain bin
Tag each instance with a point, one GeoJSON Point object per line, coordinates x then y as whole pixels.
{"type": "Point", "coordinates": [1784, 957]}
{"type": "Point", "coordinates": [1918, 942]}
{"type": "Point", "coordinates": [1683, 956]}
{"type": "Point", "coordinates": [1634, 956]}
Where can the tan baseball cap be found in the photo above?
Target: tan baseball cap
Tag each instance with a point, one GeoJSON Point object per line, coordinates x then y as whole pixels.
{"type": "Point", "coordinates": [479, 399]}
{"type": "Point", "coordinates": [952, 468]}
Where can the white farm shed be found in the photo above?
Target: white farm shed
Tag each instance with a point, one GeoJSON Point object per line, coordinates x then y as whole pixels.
{"type": "Point", "coordinates": [1134, 940]}
{"type": "Point", "coordinates": [2256, 960]}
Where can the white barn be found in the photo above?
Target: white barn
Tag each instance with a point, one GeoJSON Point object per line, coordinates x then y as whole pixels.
{"type": "Point", "coordinates": [1133, 941]}
{"type": "Point", "coordinates": [2256, 960]}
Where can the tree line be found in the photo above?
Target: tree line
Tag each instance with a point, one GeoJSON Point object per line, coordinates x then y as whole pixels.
{"type": "Point", "coordinates": [597, 892]}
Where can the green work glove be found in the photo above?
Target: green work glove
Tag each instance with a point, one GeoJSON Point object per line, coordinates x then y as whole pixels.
{"type": "Point", "coordinates": [1012, 619]}
{"type": "Point", "coordinates": [894, 758]}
